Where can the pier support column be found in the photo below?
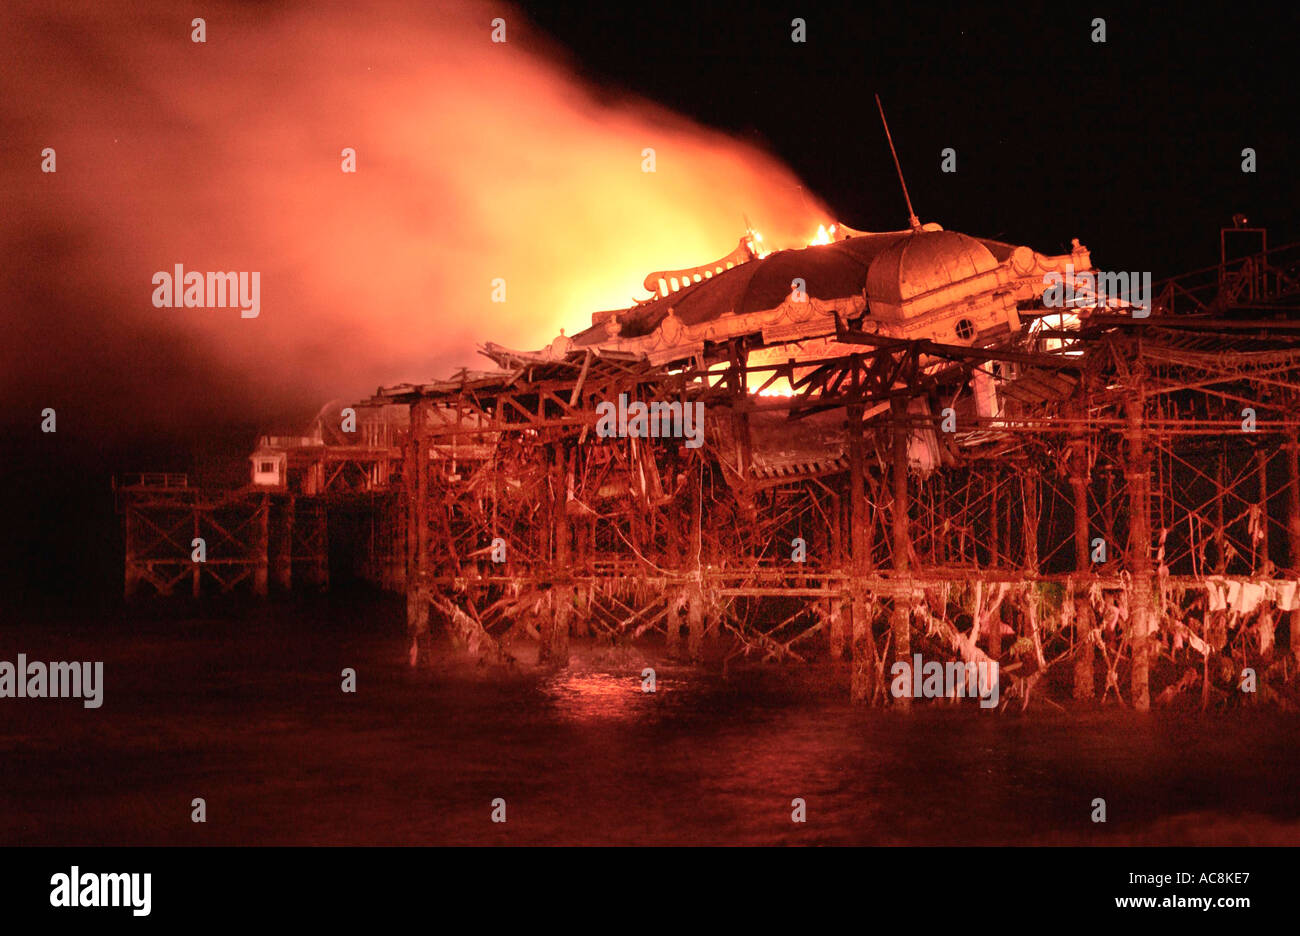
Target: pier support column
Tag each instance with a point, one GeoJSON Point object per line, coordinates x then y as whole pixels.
{"type": "Point", "coordinates": [834, 612]}
{"type": "Point", "coordinates": [1084, 651]}
{"type": "Point", "coordinates": [1293, 527]}
{"type": "Point", "coordinates": [864, 679]}
{"type": "Point", "coordinates": [676, 597]}
{"type": "Point", "coordinates": [993, 626]}
{"type": "Point", "coordinates": [902, 616]}
{"type": "Point", "coordinates": [555, 628]}
{"type": "Point", "coordinates": [1140, 604]}
{"type": "Point", "coordinates": [1261, 468]}
{"type": "Point", "coordinates": [262, 548]}
{"type": "Point", "coordinates": [695, 622]}
{"type": "Point", "coordinates": [673, 622]}
{"type": "Point", "coordinates": [1216, 626]}
{"type": "Point", "coordinates": [864, 674]}
{"type": "Point", "coordinates": [582, 593]}
{"type": "Point", "coordinates": [835, 606]}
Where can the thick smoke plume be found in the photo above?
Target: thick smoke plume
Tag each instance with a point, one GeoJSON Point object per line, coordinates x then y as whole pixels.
{"type": "Point", "coordinates": [475, 160]}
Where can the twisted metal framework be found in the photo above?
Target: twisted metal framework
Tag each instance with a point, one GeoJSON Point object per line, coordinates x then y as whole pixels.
{"type": "Point", "coordinates": [1133, 501]}
{"type": "Point", "coordinates": [1123, 474]}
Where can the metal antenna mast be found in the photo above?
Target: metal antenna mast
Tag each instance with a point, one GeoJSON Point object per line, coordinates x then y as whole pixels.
{"type": "Point", "coordinates": [911, 215]}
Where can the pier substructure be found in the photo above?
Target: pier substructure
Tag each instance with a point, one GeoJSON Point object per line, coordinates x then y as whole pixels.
{"type": "Point", "coordinates": [1121, 506]}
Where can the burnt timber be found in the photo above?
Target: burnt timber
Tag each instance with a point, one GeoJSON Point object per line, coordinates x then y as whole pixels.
{"type": "Point", "coordinates": [969, 472]}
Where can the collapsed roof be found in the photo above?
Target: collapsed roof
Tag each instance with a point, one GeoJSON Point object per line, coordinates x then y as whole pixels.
{"type": "Point", "coordinates": [926, 283]}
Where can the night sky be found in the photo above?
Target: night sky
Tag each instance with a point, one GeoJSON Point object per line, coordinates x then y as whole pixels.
{"type": "Point", "coordinates": [1133, 146]}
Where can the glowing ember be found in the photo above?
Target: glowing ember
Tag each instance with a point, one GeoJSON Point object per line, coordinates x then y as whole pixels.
{"type": "Point", "coordinates": [823, 235]}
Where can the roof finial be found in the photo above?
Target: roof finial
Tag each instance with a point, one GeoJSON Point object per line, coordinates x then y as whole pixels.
{"type": "Point", "coordinates": [911, 215]}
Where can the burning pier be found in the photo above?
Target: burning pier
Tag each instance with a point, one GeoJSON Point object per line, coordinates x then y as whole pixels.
{"type": "Point", "coordinates": [911, 444]}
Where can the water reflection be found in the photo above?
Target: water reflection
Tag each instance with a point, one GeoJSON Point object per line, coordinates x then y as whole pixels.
{"type": "Point", "coordinates": [582, 755]}
{"type": "Point", "coordinates": [582, 696]}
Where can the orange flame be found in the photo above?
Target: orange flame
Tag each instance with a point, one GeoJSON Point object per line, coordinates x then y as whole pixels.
{"type": "Point", "coordinates": [496, 197]}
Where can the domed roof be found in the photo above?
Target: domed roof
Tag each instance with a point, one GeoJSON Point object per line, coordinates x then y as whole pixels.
{"type": "Point", "coordinates": [923, 262]}
{"type": "Point", "coordinates": [830, 271]}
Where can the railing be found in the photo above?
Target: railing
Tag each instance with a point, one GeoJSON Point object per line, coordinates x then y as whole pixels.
{"type": "Point", "coordinates": [1261, 277]}
{"type": "Point", "coordinates": [152, 480]}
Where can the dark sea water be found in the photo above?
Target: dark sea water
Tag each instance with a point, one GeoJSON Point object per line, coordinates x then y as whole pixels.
{"type": "Point", "coordinates": [247, 712]}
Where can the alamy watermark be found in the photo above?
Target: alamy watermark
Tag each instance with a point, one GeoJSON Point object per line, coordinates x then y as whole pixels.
{"type": "Point", "coordinates": [76, 889]}
{"type": "Point", "coordinates": [37, 680]}
{"type": "Point", "coordinates": [195, 290]}
{"type": "Point", "coordinates": [1089, 290]}
{"type": "Point", "coordinates": [656, 420]}
{"type": "Point", "coordinates": [935, 680]}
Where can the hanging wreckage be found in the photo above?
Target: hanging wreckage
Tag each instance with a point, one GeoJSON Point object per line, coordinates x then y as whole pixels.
{"type": "Point", "coordinates": [785, 315]}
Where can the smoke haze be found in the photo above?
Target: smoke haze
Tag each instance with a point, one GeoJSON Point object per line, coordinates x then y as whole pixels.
{"type": "Point", "coordinates": [475, 160]}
